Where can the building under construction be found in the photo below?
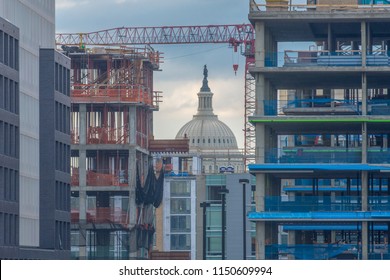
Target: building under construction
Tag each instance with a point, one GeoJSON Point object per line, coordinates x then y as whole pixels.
{"type": "Point", "coordinates": [322, 154]}
{"type": "Point", "coordinates": [111, 123]}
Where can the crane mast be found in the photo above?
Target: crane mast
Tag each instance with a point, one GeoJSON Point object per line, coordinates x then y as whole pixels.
{"type": "Point", "coordinates": [235, 35]}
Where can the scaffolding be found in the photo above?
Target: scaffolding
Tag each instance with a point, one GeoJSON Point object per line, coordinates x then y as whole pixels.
{"type": "Point", "coordinates": [111, 124]}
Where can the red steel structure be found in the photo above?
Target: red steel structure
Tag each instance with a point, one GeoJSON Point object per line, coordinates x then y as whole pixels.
{"type": "Point", "coordinates": [236, 35]}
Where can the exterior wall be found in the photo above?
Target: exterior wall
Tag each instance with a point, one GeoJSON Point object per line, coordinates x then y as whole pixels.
{"type": "Point", "coordinates": [179, 216]}
{"type": "Point", "coordinates": [55, 152]}
{"type": "Point", "coordinates": [236, 213]}
{"type": "Point", "coordinates": [9, 134]}
{"type": "Point", "coordinates": [328, 188]}
{"type": "Point", "coordinates": [36, 22]}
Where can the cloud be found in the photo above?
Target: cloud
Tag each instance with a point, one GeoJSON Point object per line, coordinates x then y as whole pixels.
{"type": "Point", "coordinates": [70, 4]}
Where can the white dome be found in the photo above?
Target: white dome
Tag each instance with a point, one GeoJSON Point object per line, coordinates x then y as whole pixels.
{"type": "Point", "coordinates": [205, 131]}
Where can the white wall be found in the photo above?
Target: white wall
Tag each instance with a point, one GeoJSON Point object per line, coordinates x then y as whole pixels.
{"type": "Point", "coordinates": [36, 22]}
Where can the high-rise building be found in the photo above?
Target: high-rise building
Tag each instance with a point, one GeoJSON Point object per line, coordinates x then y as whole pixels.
{"type": "Point", "coordinates": [34, 211]}
{"type": "Point", "coordinates": [322, 158]}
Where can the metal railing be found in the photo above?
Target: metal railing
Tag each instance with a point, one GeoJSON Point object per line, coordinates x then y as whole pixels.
{"type": "Point", "coordinates": [324, 203]}
{"type": "Point", "coordinates": [324, 58]}
{"type": "Point", "coordinates": [313, 5]}
{"type": "Point", "coordinates": [325, 154]}
{"type": "Point", "coordinates": [102, 178]}
{"type": "Point", "coordinates": [315, 106]}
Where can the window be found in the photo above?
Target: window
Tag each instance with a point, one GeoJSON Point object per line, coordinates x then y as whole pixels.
{"type": "Point", "coordinates": [181, 223]}
{"type": "Point", "coordinates": [180, 189]}
{"type": "Point", "coordinates": [180, 242]}
{"type": "Point", "coordinates": [213, 193]}
{"type": "Point", "coordinates": [180, 206]}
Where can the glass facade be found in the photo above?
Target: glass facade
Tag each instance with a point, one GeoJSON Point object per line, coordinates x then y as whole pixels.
{"type": "Point", "coordinates": [180, 215]}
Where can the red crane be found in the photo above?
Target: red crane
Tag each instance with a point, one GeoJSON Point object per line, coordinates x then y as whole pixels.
{"type": "Point", "coordinates": [235, 35]}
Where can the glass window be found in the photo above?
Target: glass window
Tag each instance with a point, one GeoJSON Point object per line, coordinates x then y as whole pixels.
{"type": "Point", "coordinates": [213, 193]}
{"type": "Point", "coordinates": [214, 245]}
{"type": "Point", "coordinates": [180, 223]}
{"type": "Point", "coordinates": [180, 189]}
{"type": "Point", "coordinates": [214, 218]}
{"type": "Point", "coordinates": [180, 206]}
{"type": "Point", "coordinates": [180, 242]}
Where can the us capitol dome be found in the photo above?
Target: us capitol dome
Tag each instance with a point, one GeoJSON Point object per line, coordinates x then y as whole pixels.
{"type": "Point", "coordinates": [205, 131]}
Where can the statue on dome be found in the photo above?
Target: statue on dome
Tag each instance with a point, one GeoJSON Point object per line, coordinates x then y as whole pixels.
{"type": "Point", "coordinates": [205, 86]}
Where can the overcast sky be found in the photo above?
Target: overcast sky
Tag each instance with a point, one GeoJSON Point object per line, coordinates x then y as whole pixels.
{"type": "Point", "coordinates": [182, 70]}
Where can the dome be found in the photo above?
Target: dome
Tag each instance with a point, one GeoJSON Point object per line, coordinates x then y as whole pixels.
{"type": "Point", "coordinates": [205, 131]}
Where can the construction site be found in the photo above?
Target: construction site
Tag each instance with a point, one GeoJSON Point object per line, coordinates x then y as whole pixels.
{"type": "Point", "coordinates": [113, 101]}
{"type": "Point", "coordinates": [316, 130]}
{"type": "Point", "coordinates": [111, 122]}
{"type": "Point", "coordinates": [322, 161]}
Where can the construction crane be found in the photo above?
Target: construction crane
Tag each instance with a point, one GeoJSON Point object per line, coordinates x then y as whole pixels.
{"type": "Point", "coordinates": [235, 35]}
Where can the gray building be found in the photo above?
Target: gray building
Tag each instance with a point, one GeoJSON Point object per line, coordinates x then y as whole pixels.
{"type": "Point", "coordinates": [54, 120]}
{"type": "Point", "coordinates": [9, 136]}
{"type": "Point", "coordinates": [34, 134]}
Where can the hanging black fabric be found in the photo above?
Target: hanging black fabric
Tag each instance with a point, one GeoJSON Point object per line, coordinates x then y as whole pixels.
{"type": "Point", "coordinates": [149, 187]}
{"type": "Point", "coordinates": [159, 189]}
{"type": "Point", "coordinates": [139, 192]}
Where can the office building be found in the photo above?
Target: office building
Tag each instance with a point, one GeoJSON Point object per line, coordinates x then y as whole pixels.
{"type": "Point", "coordinates": [33, 226]}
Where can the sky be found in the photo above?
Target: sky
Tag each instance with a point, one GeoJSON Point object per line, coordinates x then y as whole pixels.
{"type": "Point", "coordinates": [182, 71]}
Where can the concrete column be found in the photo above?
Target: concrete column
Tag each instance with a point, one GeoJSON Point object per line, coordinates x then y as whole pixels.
{"type": "Point", "coordinates": [365, 239]}
{"type": "Point", "coordinates": [364, 94]}
{"type": "Point", "coordinates": [260, 239]}
{"type": "Point", "coordinates": [132, 125]}
{"type": "Point", "coordinates": [260, 95]}
{"type": "Point", "coordinates": [260, 143]}
{"type": "Point", "coordinates": [260, 207]}
{"type": "Point", "coordinates": [83, 124]}
{"type": "Point", "coordinates": [364, 42]}
{"type": "Point", "coordinates": [333, 236]}
{"type": "Point", "coordinates": [364, 142]}
{"type": "Point", "coordinates": [365, 235]}
{"type": "Point", "coordinates": [82, 182]}
{"type": "Point", "coordinates": [132, 165]}
{"type": "Point", "coordinates": [291, 242]}
{"type": "Point", "coordinates": [260, 44]}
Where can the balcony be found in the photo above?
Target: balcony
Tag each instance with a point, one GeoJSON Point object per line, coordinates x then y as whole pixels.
{"type": "Point", "coordinates": [302, 204]}
{"type": "Point", "coordinates": [318, 106]}
{"type": "Point", "coordinates": [102, 215]}
{"type": "Point", "coordinates": [102, 178]}
{"type": "Point", "coordinates": [322, 154]}
{"type": "Point", "coordinates": [322, 58]}
{"type": "Point", "coordinates": [118, 93]}
{"type": "Point", "coordinates": [107, 135]}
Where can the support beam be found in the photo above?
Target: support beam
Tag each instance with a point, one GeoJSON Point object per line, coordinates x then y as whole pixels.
{"type": "Point", "coordinates": [82, 183]}
{"type": "Point", "coordinates": [260, 44]}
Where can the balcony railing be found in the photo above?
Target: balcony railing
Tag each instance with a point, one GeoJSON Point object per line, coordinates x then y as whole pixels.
{"type": "Point", "coordinates": [103, 93]}
{"type": "Point", "coordinates": [313, 5]}
{"type": "Point", "coordinates": [102, 178]}
{"type": "Point", "coordinates": [107, 135]}
{"type": "Point", "coordinates": [324, 154]}
{"type": "Point", "coordinates": [324, 203]}
{"type": "Point", "coordinates": [321, 58]}
{"type": "Point", "coordinates": [103, 215]}
{"type": "Point", "coordinates": [311, 106]}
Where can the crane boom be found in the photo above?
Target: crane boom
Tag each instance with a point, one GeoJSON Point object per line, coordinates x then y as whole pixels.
{"type": "Point", "coordinates": [232, 34]}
